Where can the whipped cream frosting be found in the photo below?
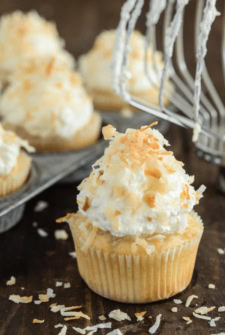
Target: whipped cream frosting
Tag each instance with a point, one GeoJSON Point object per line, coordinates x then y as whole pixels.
{"type": "Point", "coordinates": [28, 35]}
{"type": "Point", "coordinates": [96, 67]}
{"type": "Point", "coordinates": [10, 146]}
{"type": "Point", "coordinates": [46, 99]}
{"type": "Point", "coordinates": [137, 186]}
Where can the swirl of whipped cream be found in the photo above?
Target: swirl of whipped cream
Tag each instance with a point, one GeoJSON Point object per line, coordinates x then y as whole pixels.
{"type": "Point", "coordinates": [10, 146]}
{"type": "Point", "coordinates": [46, 99]}
{"type": "Point", "coordinates": [28, 35]}
{"type": "Point", "coordinates": [137, 186]}
{"type": "Point", "coordinates": [96, 69]}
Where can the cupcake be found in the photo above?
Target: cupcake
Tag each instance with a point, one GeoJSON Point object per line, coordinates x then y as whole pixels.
{"type": "Point", "coordinates": [135, 232]}
{"type": "Point", "coordinates": [96, 69]}
{"type": "Point", "coordinates": [47, 105]}
{"type": "Point", "coordinates": [24, 36]}
{"type": "Point", "coordinates": [15, 164]}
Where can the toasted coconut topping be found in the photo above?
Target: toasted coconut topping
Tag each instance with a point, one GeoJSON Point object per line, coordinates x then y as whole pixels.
{"type": "Point", "coordinates": [204, 310]}
{"type": "Point", "coordinates": [198, 316]}
{"type": "Point", "coordinates": [108, 132]}
{"type": "Point", "coordinates": [61, 234]}
{"type": "Point", "coordinates": [189, 300]}
{"type": "Point", "coordinates": [156, 325]}
{"type": "Point", "coordinates": [43, 297]}
{"type": "Point", "coordinates": [118, 315]}
{"type": "Point", "coordinates": [65, 218]}
{"type": "Point", "coordinates": [38, 321]}
{"type": "Point", "coordinates": [11, 281]}
{"type": "Point", "coordinates": [18, 299]}
{"type": "Point", "coordinates": [174, 309]}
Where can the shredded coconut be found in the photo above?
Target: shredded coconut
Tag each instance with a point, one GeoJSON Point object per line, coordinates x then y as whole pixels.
{"type": "Point", "coordinates": [187, 319]}
{"type": "Point", "coordinates": [221, 251]}
{"type": "Point", "coordinates": [67, 285]}
{"type": "Point", "coordinates": [212, 323]}
{"type": "Point", "coordinates": [42, 232]}
{"type": "Point", "coordinates": [102, 317]}
{"type": "Point", "coordinates": [79, 330]}
{"type": "Point", "coordinates": [189, 300]}
{"type": "Point", "coordinates": [75, 315]}
{"type": "Point", "coordinates": [140, 315]}
{"type": "Point", "coordinates": [58, 284]}
{"type": "Point", "coordinates": [56, 308]}
{"type": "Point", "coordinates": [11, 281]}
{"type": "Point", "coordinates": [40, 206]}
{"type": "Point", "coordinates": [37, 302]}
{"type": "Point", "coordinates": [118, 315]}
{"type": "Point", "coordinates": [38, 321]}
{"type": "Point", "coordinates": [221, 309]}
{"type": "Point", "coordinates": [59, 325]}
{"type": "Point", "coordinates": [212, 286]}
{"type": "Point", "coordinates": [61, 234]}
{"type": "Point", "coordinates": [198, 316]}
{"type": "Point", "coordinates": [63, 331]}
{"type": "Point", "coordinates": [73, 254]}
{"type": "Point", "coordinates": [18, 299]}
{"type": "Point", "coordinates": [177, 301]}
{"type": "Point", "coordinates": [115, 332]}
{"type": "Point", "coordinates": [156, 325]}
{"type": "Point", "coordinates": [204, 310]}
{"type": "Point", "coordinates": [174, 309]}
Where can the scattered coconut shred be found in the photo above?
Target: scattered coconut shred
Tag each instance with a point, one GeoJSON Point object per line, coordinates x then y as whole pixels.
{"type": "Point", "coordinates": [20, 300]}
{"type": "Point", "coordinates": [93, 329]}
{"type": "Point", "coordinates": [73, 254]}
{"type": "Point", "coordinates": [63, 331]}
{"type": "Point", "coordinates": [40, 206]}
{"type": "Point", "coordinates": [174, 309]}
{"type": "Point", "coordinates": [221, 251]}
{"type": "Point", "coordinates": [140, 315]}
{"type": "Point", "coordinates": [11, 281]}
{"type": "Point", "coordinates": [115, 332]}
{"type": "Point", "coordinates": [204, 310]}
{"type": "Point", "coordinates": [156, 325]}
{"type": "Point", "coordinates": [189, 300]}
{"type": "Point", "coordinates": [221, 309]}
{"type": "Point", "coordinates": [212, 322]}
{"type": "Point", "coordinates": [38, 321]}
{"type": "Point", "coordinates": [212, 286]}
{"type": "Point", "coordinates": [187, 319]}
{"type": "Point", "coordinates": [42, 232]}
{"type": "Point", "coordinates": [61, 234]}
{"type": "Point", "coordinates": [177, 301]}
{"type": "Point", "coordinates": [118, 315]}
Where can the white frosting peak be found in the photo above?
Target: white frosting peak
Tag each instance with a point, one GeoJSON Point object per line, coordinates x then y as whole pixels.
{"type": "Point", "coordinates": [137, 186]}
{"type": "Point", "coordinates": [96, 68]}
{"type": "Point", "coordinates": [10, 146]}
{"type": "Point", "coordinates": [46, 98]}
{"type": "Point", "coordinates": [25, 36]}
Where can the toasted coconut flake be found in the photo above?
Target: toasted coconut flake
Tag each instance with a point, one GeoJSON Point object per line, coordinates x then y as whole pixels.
{"type": "Point", "coordinates": [212, 286]}
{"type": "Point", "coordinates": [149, 126]}
{"type": "Point", "coordinates": [70, 308]}
{"type": "Point", "coordinates": [37, 302]}
{"type": "Point", "coordinates": [58, 284]}
{"type": "Point", "coordinates": [198, 316]}
{"type": "Point", "coordinates": [65, 218]}
{"type": "Point", "coordinates": [140, 315]}
{"type": "Point", "coordinates": [94, 328]}
{"type": "Point", "coordinates": [73, 254]}
{"type": "Point", "coordinates": [189, 300]}
{"type": "Point", "coordinates": [204, 310]}
{"type": "Point", "coordinates": [63, 331]}
{"type": "Point", "coordinates": [108, 132]}
{"type": "Point", "coordinates": [38, 321]}
{"type": "Point", "coordinates": [212, 322]}
{"type": "Point", "coordinates": [115, 332]}
{"type": "Point", "coordinates": [102, 317]}
{"type": "Point", "coordinates": [174, 309]}
{"type": "Point", "coordinates": [177, 301]}
{"type": "Point", "coordinates": [79, 330]}
{"type": "Point", "coordinates": [154, 328]}
{"type": "Point", "coordinates": [11, 281]}
{"type": "Point", "coordinates": [43, 297]}
{"type": "Point", "coordinates": [67, 285]}
{"type": "Point", "coordinates": [221, 251]}
{"type": "Point", "coordinates": [50, 293]}
{"type": "Point", "coordinates": [118, 315]}
{"type": "Point", "coordinates": [42, 232]}
{"type": "Point", "coordinates": [61, 234]}
{"type": "Point", "coordinates": [56, 308]}
{"type": "Point", "coordinates": [59, 325]}
{"type": "Point", "coordinates": [40, 206]}
{"type": "Point", "coordinates": [155, 173]}
{"type": "Point", "coordinates": [150, 200]}
{"type": "Point", "coordinates": [18, 299]}
{"type": "Point", "coordinates": [75, 315]}
{"type": "Point", "coordinates": [86, 204]}
{"type": "Point", "coordinates": [187, 319]}
{"type": "Point", "coordinates": [221, 309]}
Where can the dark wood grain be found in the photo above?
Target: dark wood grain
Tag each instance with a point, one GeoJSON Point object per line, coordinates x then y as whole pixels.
{"type": "Point", "coordinates": [37, 263]}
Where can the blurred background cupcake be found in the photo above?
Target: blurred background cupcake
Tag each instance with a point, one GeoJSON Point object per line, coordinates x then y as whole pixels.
{"type": "Point", "coordinates": [15, 164]}
{"type": "Point", "coordinates": [46, 104]}
{"type": "Point", "coordinates": [96, 69]}
{"type": "Point", "coordinates": [24, 36]}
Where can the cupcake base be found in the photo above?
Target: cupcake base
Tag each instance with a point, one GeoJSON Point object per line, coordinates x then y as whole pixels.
{"type": "Point", "coordinates": [84, 137]}
{"type": "Point", "coordinates": [112, 268]}
{"type": "Point", "coordinates": [17, 177]}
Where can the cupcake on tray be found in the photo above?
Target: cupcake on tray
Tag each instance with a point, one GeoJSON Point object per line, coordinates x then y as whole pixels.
{"type": "Point", "coordinates": [136, 234]}
{"type": "Point", "coordinates": [46, 104]}
{"type": "Point", "coordinates": [24, 36]}
{"type": "Point", "coordinates": [96, 69]}
{"type": "Point", "coordinates": [15, 164]}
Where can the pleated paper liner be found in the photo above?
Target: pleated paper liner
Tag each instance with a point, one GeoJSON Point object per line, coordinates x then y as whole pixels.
{"type": "Point", "coordinates": [136, 278]}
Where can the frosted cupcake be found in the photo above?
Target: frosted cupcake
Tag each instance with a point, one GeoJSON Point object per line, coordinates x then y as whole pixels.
{"type": "Point", "coordinates": [136, 234]}
{"type": "Point", "coordinates": [96, 69]}
{"type": "Point", "coordinates": [46, 104]}
{"type": "Point", "coordinates": [15, 164]}
{"type": "Point", "coordinates": [24, 36]}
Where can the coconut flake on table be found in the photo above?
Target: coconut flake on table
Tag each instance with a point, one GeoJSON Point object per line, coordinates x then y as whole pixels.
{"type": "Point", "coordinates": [59, 325]}
{"type": "Point", "coordinates": [219, 333]}
{"type": "Point", "coordinates": [187, 319]}
{"type": "Point", "coordinates": [11, 281]}
{"type": "Point", "coordinates": [118, 315]}
{"type": "Point", "coordinates": [67, 285]}
{"type": "Point", "coordinates": [56, 308]}
{"type": "Point", "coordinates": [17, 299]}
{"type": "Point", "coordinates": [115, 332]}
{"type": "Point", "coordinates": [189, 300]}
{"type": "Point", "coordinates": [105, 325]}
{"type": "Point", "coordinates": [42, 232]}
{"type": "Point", "coordinates": [102, 317]}
{"type": "Point", "coordinates": [34, 224]}
{"type": "Point", "coordinates": [73, 314]}
{"type": "Point", "coordinates": [140, 315]}
{"type": "Point", "coordinates": [37, 302]}
{"type": "Point", "coordinates": [73, 254]}
{"type": "Point", "coordinates": [79, 330]}
{"type": "Point", "coordinates": [153, 329]}
{"type": "Point", "coordinates": [61, 234]}
{"type": "Point", "coordinates": [212, 286]}
{"type": "Point", "coordinates": [212, 322]}
{"type": "Point", "coordinates": [177, 301]}
{"type": "Point", "coordinates": [63, 331]}
{"type": "Point", "coordinates": [221, 309]}
{"type": "Point", "coordinates": [59, 283]}
{"type": "Point", "coordinates": [204, 310]}
{"type": "Point", "coordinates": [221, 251]}
{"type": "Point", "coordinates": [38, 321]}
{"type": "Point", "coordinates": [174, 309]}
{"type": "Point", "coordinates": [204, 317]}
{"type": "Point", "coordinates": [40, 206]}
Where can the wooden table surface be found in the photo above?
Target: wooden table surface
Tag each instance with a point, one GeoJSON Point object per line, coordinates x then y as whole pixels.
{"type": "Point", "coordinates": [38, 262]}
